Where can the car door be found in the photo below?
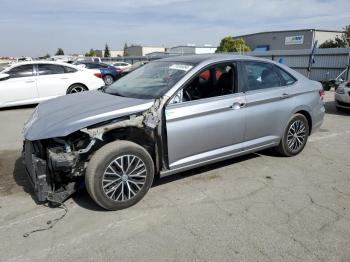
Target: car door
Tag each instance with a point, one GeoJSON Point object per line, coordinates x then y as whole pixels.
{"type": "Point", "coordinates": [52, 80]}
{"type": "Point", "coordinates": [268, 103]}
{"type": "Point", "coordinates": [20, 88]}
{"type": "Point", "coordinates": [209, 125]}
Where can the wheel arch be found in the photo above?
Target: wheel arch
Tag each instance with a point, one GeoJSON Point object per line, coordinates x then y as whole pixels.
{"type": "Point", "coordinates": [81, 84]}
{"type": "Point", "coordinates": [109, 74]}
{"type": "Point", "coordinates": [138, 136]}
{"type": "Point", "coordinates": [308, 117]}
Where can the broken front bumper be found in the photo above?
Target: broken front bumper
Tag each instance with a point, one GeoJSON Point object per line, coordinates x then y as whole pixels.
{"type": "Point", "coordinates": [36, 169]}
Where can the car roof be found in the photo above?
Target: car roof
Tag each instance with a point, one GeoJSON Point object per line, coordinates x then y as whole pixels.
{"type": "Point", "coordinates": [197, 59]}
{"type": "Point", "coordinates": [41, 62]}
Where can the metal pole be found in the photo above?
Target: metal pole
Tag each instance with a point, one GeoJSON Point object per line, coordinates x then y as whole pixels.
{"type": "Point", "coordinates": [348, 65]}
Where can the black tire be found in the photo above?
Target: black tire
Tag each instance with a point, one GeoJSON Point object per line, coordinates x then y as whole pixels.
{"type": "Point", "coordinates": [76, 88]}
{"type": "Point", "coordinates": [108, 79]}
{"type": "Point", "coordinates": [284, 148]}
{"type": "Point", "coordinates": [101, 162]}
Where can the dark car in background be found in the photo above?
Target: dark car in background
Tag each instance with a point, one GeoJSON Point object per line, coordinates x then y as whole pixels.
{"type": "Point", "coordinates": [109, 73]}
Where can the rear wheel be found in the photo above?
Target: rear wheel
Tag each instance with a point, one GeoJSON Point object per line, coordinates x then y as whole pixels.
{"type": "Point", "coordinates": [295, 136]}
{"type": "Point", "coordinates": [108, 79]}
{"type": "Point", "coordinates": [76, 88]}
{"type": "Point", "coordinates": [119, 175]}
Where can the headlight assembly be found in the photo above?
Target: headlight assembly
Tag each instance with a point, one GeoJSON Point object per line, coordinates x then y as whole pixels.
{"type": "Point", "coordinates": [340, 91]}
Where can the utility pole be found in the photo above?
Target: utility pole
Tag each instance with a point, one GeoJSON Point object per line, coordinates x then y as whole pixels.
{"type": "Point", "coordinates": [348, 65]}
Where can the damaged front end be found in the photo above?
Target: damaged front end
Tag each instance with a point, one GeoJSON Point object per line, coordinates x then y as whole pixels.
{"type": "Point", "coordinates": [56, 166]}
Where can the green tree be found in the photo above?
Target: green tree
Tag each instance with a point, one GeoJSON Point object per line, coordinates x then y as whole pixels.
{"type": "Point", "coordinates": [330, 43]}
{"type": "Point", "coordinates": [230, 44]}
{"type": "Point", "coordinates": [107, 53]}
{"type": "Point", "coordinates": [125, 53]}
{"type": "Point", "coordinates": [339, 41]}
{"type": "Point", "coordinates": [59, 51]}
{"type": "Point", "coordinates": [91, 53]}
{"type": "Point", "coordinates": [346, 35]}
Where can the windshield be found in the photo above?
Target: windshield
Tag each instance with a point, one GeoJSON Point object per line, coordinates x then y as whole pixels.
{"type": "Point", "coordinates": [150, 81]}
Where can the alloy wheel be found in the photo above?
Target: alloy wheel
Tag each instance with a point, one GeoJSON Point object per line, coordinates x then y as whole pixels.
{"type": "Point", "coordinates": [124, 178]}
{"type": "Point", "coordinates": [108, 80]}
{"type": "Point", "coordinates": [77, 89]}
{"type": "Point", "coordinates": [296, 135]}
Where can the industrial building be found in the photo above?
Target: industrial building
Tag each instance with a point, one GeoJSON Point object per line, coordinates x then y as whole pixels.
{"type": "Point", "coordinates": [191, 50]}
{"type": "Point", "coordinates": [288, 40]}
{"type": "Point", "coordinates": [138, 50]}
{"type": "Point", "coordinates": [113, 53]}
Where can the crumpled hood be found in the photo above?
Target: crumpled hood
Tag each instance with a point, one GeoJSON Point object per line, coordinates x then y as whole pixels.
{"type": "Point", "coordinates": [66, 114]}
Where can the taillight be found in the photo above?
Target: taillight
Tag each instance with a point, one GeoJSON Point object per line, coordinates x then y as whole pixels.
{"type": "Point", "coordinates": [99, 75]}
{"type": "Point", "coordinates": [322, 94]}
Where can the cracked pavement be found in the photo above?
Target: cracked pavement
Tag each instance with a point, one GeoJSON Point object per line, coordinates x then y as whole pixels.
{"type": "Point", "coordinates": [258, 207]}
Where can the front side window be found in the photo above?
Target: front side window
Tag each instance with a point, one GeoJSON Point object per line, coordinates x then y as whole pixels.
{"type": "Point", "coordinates": [261, 76]}
{"type": "Point", "coordinates": [218, 80]}
{"type": "Point", "coordinates": [21, 71]}
{"type": "Point", "coordinates": [50, 69]}
{"type": "Point", "coordinates": [150, 81]}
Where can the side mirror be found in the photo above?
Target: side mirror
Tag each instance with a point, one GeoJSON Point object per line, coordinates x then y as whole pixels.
{"type": "Point", "coordinates": [4, 76]}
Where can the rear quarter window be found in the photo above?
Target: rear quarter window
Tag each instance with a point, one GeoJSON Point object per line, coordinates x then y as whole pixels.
{"type": "Point", "coordinates": [287, 78]}
{"type": "Point", "coordinates": [68, 69]}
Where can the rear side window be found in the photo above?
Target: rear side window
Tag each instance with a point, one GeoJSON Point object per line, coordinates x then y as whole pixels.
{"type": "Point", "coordinates": [21, 71]}
{"type": "Point", "coordinates": [261, 76]}
{"type": "Point", "coordinates": [287, 78]}
{"type": "Point", "coordinates": [68, 69]}
{"type": "Point", "coordinates": [49, 69]}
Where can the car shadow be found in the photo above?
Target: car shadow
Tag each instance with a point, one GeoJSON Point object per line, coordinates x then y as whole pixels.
{"type": "Point", "coordinates": [332, 110]}
{"type": "Point", "coordinates": [21, 178]}
{"type": "Point", "coordinates": [18, 107]}
{"type": "Point", "coordinates": [83, 199]}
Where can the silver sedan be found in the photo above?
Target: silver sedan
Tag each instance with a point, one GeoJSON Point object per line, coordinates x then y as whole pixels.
{"type": "Point", "coordinates": [168, 116]}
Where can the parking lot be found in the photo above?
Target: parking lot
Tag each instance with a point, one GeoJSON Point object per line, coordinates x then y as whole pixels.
{"type": "Point", "coordinates": [259, 207]}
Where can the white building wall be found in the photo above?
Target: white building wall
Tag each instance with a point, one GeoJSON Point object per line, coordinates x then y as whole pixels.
{"type": "Point", "coordinates": [152, 49]}
{"type": "Point", "coordinates": [205, 50]}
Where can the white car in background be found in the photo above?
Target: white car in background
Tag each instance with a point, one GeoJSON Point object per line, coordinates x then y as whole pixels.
{"type": "Point", "coordinates": [36, 81]}
{"type": "Point", "coordinates": [342, 96]}
{"type": "Point", "coordinates": [121, 65]}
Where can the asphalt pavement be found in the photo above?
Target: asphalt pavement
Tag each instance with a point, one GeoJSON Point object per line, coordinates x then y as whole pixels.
{"type": "Point", "coordinates": [260, 207]}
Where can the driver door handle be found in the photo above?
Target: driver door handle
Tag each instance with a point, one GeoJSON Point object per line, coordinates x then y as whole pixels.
{"type": "Point", "coordinates": [237, 105]}
{"type": "Point", "coordinates": [285, 95]}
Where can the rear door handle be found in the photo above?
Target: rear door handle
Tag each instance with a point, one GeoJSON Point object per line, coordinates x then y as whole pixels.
{"type": "Point", "coordinates": [64, 77]}
{"type": "Point", "coordinates": [30, 81]}
{"type": "Point", "coordinates": [285, 95]}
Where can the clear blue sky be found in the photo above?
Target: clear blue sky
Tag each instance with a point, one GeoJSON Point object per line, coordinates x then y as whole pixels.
{"type": "Point", "coordinates": [38, 27]}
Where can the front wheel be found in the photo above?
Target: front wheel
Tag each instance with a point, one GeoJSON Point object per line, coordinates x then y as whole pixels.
{"type": "Point", "coordinates": [119, 175]}
{"type": "Point", "coordinates": [295, 136]}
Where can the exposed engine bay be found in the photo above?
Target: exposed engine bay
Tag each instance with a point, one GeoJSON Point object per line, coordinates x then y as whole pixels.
{"type": "Point", "coordinates": [56, 166]}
